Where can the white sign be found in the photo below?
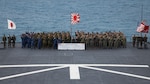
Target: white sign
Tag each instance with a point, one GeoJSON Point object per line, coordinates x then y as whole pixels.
{"type": "Point", "coordinates": [71, 46]}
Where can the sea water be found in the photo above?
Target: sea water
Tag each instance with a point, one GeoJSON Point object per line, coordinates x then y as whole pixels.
{"type": "Point", "coordinates": [55, 15]}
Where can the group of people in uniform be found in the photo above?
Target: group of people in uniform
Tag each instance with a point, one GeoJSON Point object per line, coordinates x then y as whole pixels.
{"type": "Point", "coordinates": [10, 40]}
{"type": "Point", "coordinates": [44, 40]}
{"type": "Point", "coordinates": [51, 39]}
{"type": "Point", "coordinates": [139, 41]}
{"type": "Point", "coordinates": [104, 40]}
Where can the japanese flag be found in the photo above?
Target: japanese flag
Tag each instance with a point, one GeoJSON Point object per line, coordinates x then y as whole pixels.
{"type": "Point", "coordinates": [75, 18]}
{"type": "Point", "coordinates": [11, 24]}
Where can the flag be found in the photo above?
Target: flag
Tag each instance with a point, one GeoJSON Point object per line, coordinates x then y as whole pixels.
{"type": "Point", "coordinates": [140, 28]}
{"type": "Point", "coordinates": [75, 18]}
{"type": "Point", "coordinates": [143, 28]}
{"type": "Point", "coordinates": [11, 24]}
{"type": "Point", "coordinates": [146, 28]}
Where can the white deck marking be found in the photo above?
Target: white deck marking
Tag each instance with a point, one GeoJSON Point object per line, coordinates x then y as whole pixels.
{"type": "Point", "coordinates": [74, 69]}
{"type": "Point", "coordinates": [117, 72]}
{"type": "Point", "coordinates": [32, 72]}
{"type": "Point", "coordinates": [47, 65]}
{"type": "Point", "coordinates": [74, 72]}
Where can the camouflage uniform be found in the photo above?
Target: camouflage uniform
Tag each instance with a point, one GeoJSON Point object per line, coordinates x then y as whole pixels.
{"type": "Point", "coordinates": [63, 37]}
{"type": "Point", "coordinates": [100, 42]}
{"type": "Point", "coordinates": [44, 41]}
{"type": "Point", "coordinates": [50, 41]}
{"type": "Point", "coordinates": [124, 42]}
{"type": "Point", "coordinates": [36, 41]}
{"type": "Point", "coordinates": [68, 37]}
{"type": "Point", "coordinates": [116, 43]}
{"type": "Point", "coordinates": [82, 39]}
{"type": "Point", "coordinates": [104, 42]}
{"type": "Point", "coordinates": [87, 41]}
{"type": "Point", "coordinates": [110, 42]}
{"type": "Point", "coordinates": [13, 40]}
{"type": "Point", "coordinates": [96, 41]}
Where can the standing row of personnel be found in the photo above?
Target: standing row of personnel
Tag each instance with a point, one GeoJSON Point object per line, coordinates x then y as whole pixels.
{"type": "Point", "coordinates": [102, 40]}
{"type": "Point", "coordinates": [44, 40]}
{"type": "Point", "coordinates": [10, 40]}
{"type": "Point", "coordinates": [139, 41]}
{"type": "Point", "coordinates": [51, 39]}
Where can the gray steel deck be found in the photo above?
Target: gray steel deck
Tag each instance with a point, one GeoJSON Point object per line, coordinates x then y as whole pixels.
{"type": "Point", "coordinates": [93, 75]}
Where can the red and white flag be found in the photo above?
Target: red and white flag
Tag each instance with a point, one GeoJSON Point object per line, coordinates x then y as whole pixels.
{"type": "Point", "coordinates": [11, 24]}
{"type": "Point", "coordinates": [75, 18]}
{"type": "Point", "coordinates": [143, 28]}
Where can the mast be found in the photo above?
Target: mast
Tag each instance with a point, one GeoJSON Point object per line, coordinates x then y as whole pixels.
{"type": "Point", "coordinates": [141, 16]}
{"type": "Point", "coordinates": [142, 12]}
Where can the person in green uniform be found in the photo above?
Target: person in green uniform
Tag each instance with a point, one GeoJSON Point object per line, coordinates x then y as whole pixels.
{"type": "Point", "coordinates": [133, 40]}
{"type": "Point", "coordinates": [116, 43]}
{"type": "Point", "coordinates": [104, 42]}
{"type": "Point", "coordinates": [13, 40]}
{"type": "Point", "coordinates": [124, 42]}
{"type": "Point", "coordinates": [44, 42]}
{"type": "Point", "coordinates": [137, 41]}
{"type": "Point", "coordinates": [4, 40]}
{"type": "Point", "coordinates": [111, 42]}
{"type": "Point", "coordinates": [145, 41]}
{"type": "Point", "coordinates": [141, 42]}
{"type": "Point", "coordinates": [9, 41]}
{"type": "Point", "coordinates": [100, 41]}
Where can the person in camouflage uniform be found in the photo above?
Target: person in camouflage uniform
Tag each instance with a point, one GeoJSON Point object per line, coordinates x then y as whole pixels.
{"type": "Point", "coordinates": [104, 42]}
{"type": "Point", "coordinates": [68, 37]}
{"type": "Point", "coordinates": [50, 40]}
{"type": "Point", "coordinates": [100, 41]}
{"type": "Point", "coordinates": [13, 40]}
{"type": "Point", "coordinates": [124, 42]}
{"type": "Point", "coordinates": [82, 39]}
{"type": "Point", "coordinates": [110, 42]}
{"type": "Point", "coordinates": [63, 37]}
{"type": "Point", "coordinates": [87, 40]}
{"type": "Point", "coordinates": [44, 40]}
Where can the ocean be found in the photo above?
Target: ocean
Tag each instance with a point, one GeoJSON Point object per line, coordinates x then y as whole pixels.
{"type": "Point", "coordinates": [55, 15]}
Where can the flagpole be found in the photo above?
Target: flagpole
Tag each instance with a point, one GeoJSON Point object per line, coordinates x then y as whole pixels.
{"type": "Point", "coordinates": [70, 28]}
{"type": "Point", "coordinates": [71, 33]}
{"type": "Point", "coordinates": [75, 18]}
{"type": "Point", "coordinates": [142, 12]}
{"type": "Point", "coordinates": [141, 16]}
